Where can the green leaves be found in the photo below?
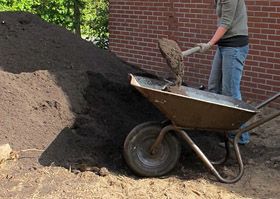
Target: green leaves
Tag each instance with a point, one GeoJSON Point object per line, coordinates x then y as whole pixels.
{"type": "Point", "coordinates": [89, 17]}
{"type": "Point", "coordinates": [95, 21]}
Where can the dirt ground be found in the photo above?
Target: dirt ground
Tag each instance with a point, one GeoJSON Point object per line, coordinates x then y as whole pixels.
{"type": "Point", "coordinates": [64, 102]}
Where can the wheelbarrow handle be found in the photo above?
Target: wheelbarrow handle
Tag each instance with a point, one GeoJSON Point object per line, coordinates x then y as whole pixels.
{"type": "Point", "coordinates": [191, 51]}
{"type": "Point", "coordinates": [268, 100]}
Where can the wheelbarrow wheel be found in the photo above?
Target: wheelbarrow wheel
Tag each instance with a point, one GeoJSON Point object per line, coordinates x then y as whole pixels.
{"type": "Point", "coordinates": [138, 155]}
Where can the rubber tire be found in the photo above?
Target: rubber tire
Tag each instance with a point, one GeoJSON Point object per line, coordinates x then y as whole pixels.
{"type": "Point", "coordinates": [137, 150]}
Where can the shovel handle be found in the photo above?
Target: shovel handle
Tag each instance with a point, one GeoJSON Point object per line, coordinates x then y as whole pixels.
{"type": "Point", "coordinates": [191, 51]}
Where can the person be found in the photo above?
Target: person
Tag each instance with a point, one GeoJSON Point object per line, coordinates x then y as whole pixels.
{"type": "Point", "coordinates": [231, 38]}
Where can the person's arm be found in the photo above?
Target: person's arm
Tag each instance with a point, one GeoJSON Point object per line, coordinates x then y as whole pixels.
{"type": "Point", "coordinates": [228, 12]}
{"type": "Point", "coordinates": [221, 30]}
{"type": "Point", "coordinates": [217, 36]}
{"type": "Point", "coordinates": [227, 16]}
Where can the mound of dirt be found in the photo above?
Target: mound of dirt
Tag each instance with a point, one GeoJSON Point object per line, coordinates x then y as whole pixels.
{"type": "Point", "coordinates": [54, 82]}
{"type": "Point", "coordinates": [33, 107]}
{"type": "Point", "coordinates": [65, 102]}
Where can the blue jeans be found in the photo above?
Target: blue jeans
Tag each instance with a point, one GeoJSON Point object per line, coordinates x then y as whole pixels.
{"type": "Point", "coordinates": [226, 74]}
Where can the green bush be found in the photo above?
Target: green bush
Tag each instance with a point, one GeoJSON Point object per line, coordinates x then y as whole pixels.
{"type": "Point", "coordinates": [87, 18]}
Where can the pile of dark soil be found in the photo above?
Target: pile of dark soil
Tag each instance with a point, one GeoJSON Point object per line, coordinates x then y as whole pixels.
{"type": "Point", "coordinates": [68, 88]}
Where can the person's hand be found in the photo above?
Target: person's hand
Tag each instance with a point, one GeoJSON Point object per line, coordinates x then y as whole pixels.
{"type": "Point", "coordinates": [204, 47]}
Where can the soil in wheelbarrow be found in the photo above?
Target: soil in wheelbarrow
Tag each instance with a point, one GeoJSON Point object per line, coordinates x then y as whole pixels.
{"type": "Point", "coordinates": [66, 107]}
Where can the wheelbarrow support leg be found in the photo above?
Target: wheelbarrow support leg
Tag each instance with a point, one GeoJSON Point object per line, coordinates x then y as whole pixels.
{"type": "Point", "coordinates": [200, 154]}
{"type": "Point", "coordinates": [206, 161]}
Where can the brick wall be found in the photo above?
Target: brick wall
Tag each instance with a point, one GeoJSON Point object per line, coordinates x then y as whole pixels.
{"type": "Point", "coordinates": [136, 25]}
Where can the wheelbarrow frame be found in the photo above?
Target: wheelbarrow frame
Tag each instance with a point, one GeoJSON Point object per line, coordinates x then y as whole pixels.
{"type": "Point", "coordinates": [183, 132]}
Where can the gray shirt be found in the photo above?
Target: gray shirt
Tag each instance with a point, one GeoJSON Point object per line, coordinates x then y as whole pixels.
{"type": "Point", "coordinates": [233, 16]}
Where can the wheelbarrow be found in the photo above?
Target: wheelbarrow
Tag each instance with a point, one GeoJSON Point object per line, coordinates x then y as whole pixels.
{"type": "Point", "coordinates": [151, 149]}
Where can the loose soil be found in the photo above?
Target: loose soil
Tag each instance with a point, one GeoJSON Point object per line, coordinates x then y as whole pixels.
{"type": "Point", "coordinates": [65, 102]}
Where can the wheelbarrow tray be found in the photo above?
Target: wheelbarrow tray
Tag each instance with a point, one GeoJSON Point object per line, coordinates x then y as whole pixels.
{"type": "Point", "coordinates": [194, 108]}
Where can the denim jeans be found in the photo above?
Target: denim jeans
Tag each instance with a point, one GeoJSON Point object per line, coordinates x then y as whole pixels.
{"type": "Point", "coordinates": [226, 73]}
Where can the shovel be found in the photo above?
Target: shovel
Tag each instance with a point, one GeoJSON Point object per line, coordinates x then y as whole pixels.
{"type": "Point", "coordinates": [174, 56]}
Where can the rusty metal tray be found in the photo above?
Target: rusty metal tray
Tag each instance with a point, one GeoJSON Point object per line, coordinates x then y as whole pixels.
{"type": "Point", "coordinates": [194, 108]}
